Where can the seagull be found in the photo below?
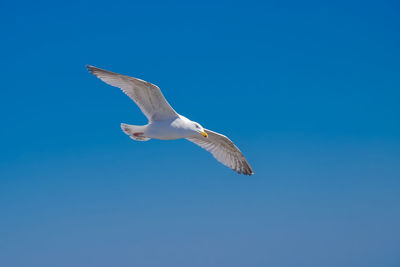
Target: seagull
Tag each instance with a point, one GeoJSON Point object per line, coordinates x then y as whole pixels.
{"type": "Point", "coordinates": [166, 124]}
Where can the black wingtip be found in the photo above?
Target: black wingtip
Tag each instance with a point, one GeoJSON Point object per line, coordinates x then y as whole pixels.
{"type": "Point", "coordinates": [245, 172]}
{"type": "Point", "coordinates": [90, 68]}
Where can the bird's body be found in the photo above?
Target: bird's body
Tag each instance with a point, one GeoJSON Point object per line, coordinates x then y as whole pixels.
{"type": "Point", "coordinates": [168, 129]}
{"type": "Point", "coordinates": [166, 124]}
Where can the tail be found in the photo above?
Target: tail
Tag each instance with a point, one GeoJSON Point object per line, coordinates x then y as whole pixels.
{"type": "Point", "coordinates": [134, 132]}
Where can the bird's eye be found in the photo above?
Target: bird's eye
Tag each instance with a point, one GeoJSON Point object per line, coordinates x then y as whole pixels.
{"type": "Point", "coordinates": [197, 126]}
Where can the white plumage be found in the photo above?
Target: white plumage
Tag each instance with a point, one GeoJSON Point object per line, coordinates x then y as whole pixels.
{"type": "Point", "coordinates": [166, 124]}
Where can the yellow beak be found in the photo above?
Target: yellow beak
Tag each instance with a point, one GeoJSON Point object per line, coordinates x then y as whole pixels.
{"type": "Point", "coordinates": [204, 134]}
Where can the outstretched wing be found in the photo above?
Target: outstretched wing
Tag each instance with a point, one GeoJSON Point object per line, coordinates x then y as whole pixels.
{"type": "Point", "coordinates": [146, 95]}
{"type": "Point", "coordinates": [224, 151]}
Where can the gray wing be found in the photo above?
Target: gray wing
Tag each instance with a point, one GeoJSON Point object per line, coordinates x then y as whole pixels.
{"type": "Point", "coordinates": [224, 151]}
{"type": "Point", "coordinates": [146, 95]}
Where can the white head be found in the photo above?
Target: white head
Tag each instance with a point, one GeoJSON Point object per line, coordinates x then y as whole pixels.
{"type": "Point", "coordinates": [198, 129]}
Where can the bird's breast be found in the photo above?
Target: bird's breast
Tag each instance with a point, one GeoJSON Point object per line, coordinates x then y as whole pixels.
{"type": "Point", "coordinates": [166, 131]}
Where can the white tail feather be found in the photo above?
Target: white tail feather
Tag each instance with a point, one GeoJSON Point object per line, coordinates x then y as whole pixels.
{"type": "Point", "coordinates": [135, 132]}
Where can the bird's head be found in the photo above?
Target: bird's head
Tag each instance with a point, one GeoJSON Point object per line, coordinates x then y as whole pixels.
{"type": "Point", "coordinates": [199, 129]}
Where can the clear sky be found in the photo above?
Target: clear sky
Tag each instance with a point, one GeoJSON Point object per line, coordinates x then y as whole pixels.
{"type": "Point", "coordinates": [308, 90]}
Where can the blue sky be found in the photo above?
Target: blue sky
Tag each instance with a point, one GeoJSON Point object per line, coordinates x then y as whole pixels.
{"type": "Point", "coordinates": [308, 90]}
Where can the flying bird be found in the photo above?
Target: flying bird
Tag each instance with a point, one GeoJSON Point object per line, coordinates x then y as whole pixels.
{"type": "Point", "coordinates": [166, 124]}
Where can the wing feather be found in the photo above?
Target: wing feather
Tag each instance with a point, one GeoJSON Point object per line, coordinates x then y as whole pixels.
{"type": "Point", "coordinates": [146, 95]}
{"type": "Point", "coordinates": [223, 149]}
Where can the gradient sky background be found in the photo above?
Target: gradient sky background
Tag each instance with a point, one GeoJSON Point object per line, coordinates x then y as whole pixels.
{"type": "Point", "coordinates": [309, 91]}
